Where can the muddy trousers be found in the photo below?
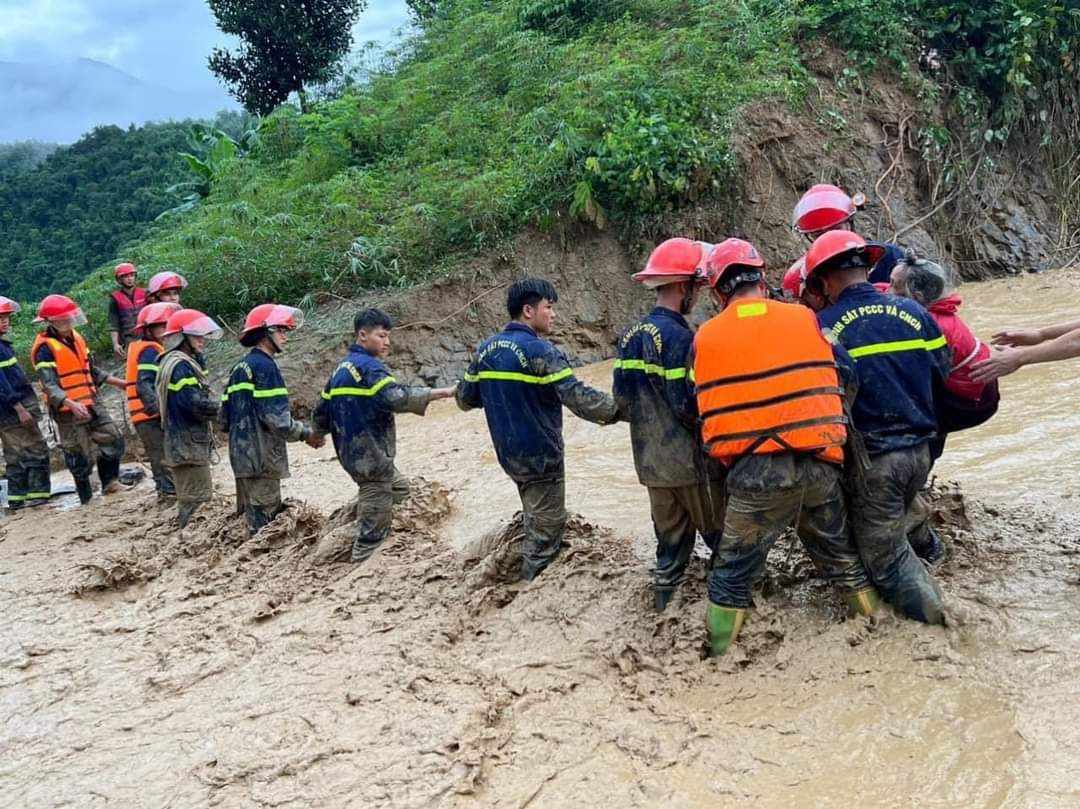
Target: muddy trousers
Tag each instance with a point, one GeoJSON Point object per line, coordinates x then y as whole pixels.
{"type": "Point", "coordinates": [193, 488]}
{"type": "Point", "coordinates": [26, 458]}
{"type": "Point", "coordinates": [758, 512]}
{"type": "Point", "coordinates": [679, 513]}
{"type": "Point", "coordinates": [259, 500]}
{"type": "Point", "coordinates": [82, 441]}
{"type": "Point", "coordinates": [375, 501]}
{"type": "Point", "coordinates": [543, 515]}
{"type": "Point", "coordinates": [153, 441]}
{"type": "Point", "coordinates": [880, 520]}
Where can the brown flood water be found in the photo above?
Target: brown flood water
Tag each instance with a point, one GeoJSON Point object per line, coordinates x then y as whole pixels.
{"type": "Point", "coordinates": [139, 667]}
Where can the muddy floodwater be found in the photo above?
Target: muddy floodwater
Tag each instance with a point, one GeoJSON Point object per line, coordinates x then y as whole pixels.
{"type": "Point", "coordinates": [144, 667]}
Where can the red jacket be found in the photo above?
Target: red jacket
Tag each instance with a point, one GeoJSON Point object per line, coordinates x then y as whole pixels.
{"type": "Point", "coordinates": [967, 349]}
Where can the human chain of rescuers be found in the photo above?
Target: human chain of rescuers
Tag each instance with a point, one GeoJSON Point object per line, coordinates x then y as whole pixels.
{"type": "Point", "coordinates": [821, 406]}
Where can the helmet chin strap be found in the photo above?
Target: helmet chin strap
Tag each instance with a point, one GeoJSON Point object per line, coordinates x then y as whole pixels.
{"type": "Point", "coordinates": [687, 302]}
{"type": "Point", "coordinates": [272, 334]}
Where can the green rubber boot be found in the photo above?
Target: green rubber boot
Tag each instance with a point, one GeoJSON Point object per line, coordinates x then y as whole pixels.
{"type": "Point", "coordinates": [723, 625]}
{"type": "Point", "coordinates": [863, 602]}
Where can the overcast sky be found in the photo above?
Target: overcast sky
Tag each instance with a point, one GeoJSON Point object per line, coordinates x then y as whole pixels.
{"type": "Point", "coordinates": [163, 42]}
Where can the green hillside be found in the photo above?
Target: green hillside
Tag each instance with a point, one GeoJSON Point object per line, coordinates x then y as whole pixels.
{"type": "Point", "coordinates": [508, 113]}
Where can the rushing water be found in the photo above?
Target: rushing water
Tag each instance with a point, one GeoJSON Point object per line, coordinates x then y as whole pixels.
{"type": "Point", "coordinates": [1029, 448]}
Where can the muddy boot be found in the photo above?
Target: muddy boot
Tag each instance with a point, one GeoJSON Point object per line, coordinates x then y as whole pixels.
{"type": "Point", "coordinates": [184, 513]}
{"type": "Point", "coordinates": [723, 625]}
{"type": "Point", "coordinates": [85, 490]}
{"type": "Point", "coordinates": [863, 602]}
{"type": "Point", "coordinates": [109, 472]}
{"type": "Point", "coordinates": [929, 547]}
{"type": "Point", "coordinates": [662, 595]}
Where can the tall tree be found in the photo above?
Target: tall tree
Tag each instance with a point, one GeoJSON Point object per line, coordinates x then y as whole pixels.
{"type": "Point", "coordinates": [285, 47]}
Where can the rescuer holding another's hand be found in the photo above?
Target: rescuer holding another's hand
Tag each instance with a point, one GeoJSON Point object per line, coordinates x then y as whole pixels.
{"type": "Point", "coordinates": [255, 413]}
{"type": "Point", "coordinates": [652, 388]}
{"type": "Point", "coordinates": [770, 397]}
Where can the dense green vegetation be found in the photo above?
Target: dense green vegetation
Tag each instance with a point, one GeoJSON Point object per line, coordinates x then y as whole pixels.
{"type": "Point", "coordinates": [21, 156]}
{"type": "Point", "coordinates": [504, 113]}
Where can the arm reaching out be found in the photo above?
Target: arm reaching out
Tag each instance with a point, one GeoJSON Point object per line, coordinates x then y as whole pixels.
{"type": "Point", "coordinates": [1004, 361]}
{"type": "Point", "coordinates": [1017, 338]}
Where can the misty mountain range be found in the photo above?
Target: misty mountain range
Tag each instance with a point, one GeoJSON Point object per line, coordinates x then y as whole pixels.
{"type": "Point", "coordinates": [60, 102]}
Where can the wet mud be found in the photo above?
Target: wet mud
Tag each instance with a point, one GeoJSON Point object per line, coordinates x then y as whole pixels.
{"type": "Point", "coordinates": [143, 666]}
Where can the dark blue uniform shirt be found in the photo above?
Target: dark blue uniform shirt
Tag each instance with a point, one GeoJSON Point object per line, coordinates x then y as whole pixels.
{"type": "Point", "coordinates": [900, 356]}
{"type": "Point", "coordinates": [14, 386]}
{"type": "Point", "coordinates": [522, 382]}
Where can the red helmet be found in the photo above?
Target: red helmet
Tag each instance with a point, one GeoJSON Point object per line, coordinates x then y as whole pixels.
{"type": "Point", "coordinates": [58, 307]}
{"type": "Point", "coordinates": [166, 280]}
{"type": "Point", "coordinates": [192, 323]}
{"type": "Point", "coordinates": [793, 283]}
{"type": "Point", "coordinates": [123, 269]}
{"type": "Point", "coordinates": [8, 306]}
{"type": "Point", "coordinates": [673, 261]}
{"type": "Point", "coordinates": [824, 207]}
{"type": "Point", "coordinates": [156, 313]}
{"type": "Point", "coordinates": [839, 243]}
{"type": "Point", "coordinates": [729, 255]}
{"type": "Point", "coordinates": [272, 315]}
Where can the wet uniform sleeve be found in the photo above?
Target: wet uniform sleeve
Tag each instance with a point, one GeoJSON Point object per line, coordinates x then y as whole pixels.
{"type": "Point", "coordinates": [45, 368]}
{"type": "Point", "coordinates": [467, 394]}
{"type": "Point", "coordinates": [583, 401]}
{"type": "Point", "coordinates": [146, 380]}
{"type": "Point", "coordinates": [191, 396]}
{"type": "Point", "coordinates": [679, 390]}
{"type": "Point", "coordinates": [401, 398]}
{"type": "Point", "coordinates": [849, 377]}
{"type": "Point", "coordinates": [273, 411]}
{"type": "Point", "coordinates": [321, 420]}
{"type": "Point", "coordinates": [99, 376]}
{"type": "Point", "coordinates": [114, 315]}
{"type": "Point", "coordinates": [8, 397]}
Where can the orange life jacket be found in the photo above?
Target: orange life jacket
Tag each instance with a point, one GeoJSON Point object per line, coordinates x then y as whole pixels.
{"type": "Point", "coordinates": [71, 365]}
{"type": "Point", "coordinates": [767, 382]}
{"type": "Point", "coordinates": [134, 404]}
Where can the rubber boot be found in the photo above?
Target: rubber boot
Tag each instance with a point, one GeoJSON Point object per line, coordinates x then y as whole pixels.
{"type": "Point", "coordinates": [863, 602]}
{"type": "Point", "coordinates": [662, 595]}
{"type": "Point", "coordinates": [723, 625]}
{"type": "Point", "coordinates": [185, 511]}
{"type": "Point", "coordinates": [85, 490]}
{"type": "Point", "coordinates": [931, 549]}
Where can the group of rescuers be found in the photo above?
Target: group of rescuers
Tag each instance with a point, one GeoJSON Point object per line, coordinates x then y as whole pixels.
{"type": "Point", "coordinates": [821, 407]}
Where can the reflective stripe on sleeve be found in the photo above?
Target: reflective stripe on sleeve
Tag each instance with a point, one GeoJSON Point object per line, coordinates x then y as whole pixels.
{"type": "Point", "coordinates": [649, 368]}
{"type": "Point", "coordinates": [153, 368]}
{"type": "Point", "coordinates": [378, 386]}
{"type": "Point", "coordinates": [183, 383]}
{"type": "Point", "coordinates": [258, 393]}
{"type": "Point", "coordinates": [8, 362]}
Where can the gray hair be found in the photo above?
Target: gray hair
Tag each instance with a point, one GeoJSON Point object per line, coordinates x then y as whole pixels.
{"type": "Point", "coordinates": [923, 280]}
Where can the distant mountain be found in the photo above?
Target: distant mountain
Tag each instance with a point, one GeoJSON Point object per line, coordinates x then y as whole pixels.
{"type": "Point", "coordinates": [60, 102]}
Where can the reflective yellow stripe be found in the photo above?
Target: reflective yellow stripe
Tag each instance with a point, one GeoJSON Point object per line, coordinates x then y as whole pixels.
{"type": "Point", "coordinates": [183, 383]}
{"type": "Point", "coordinates": [257, 393]}
{"type": "Point", "coordinates": [897, 346]}
{"type": "Point", "coordinates": [153, 368]}
{"type": "Point", "coordinates": [751, 310]}
{"type": "Point", "coordinates": [44, 365]}
{"type": "Point", "coordinates": [8, 363]}
{"type": "Point", "coordinates": [649, 368]}
{"type": "Point", "coordinates": [38, 495]}
{"type": "Point", "coordinates": [378, 386]}
{"type": "Point", "coordinates": [514, 376]}
{"type": "Point", "coordinates": [691, 375]}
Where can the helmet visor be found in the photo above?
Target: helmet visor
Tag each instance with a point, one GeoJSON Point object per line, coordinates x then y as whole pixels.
{"type": "Point", "coordinates": [166, 280]}
{"type": "Point", "coordinates": [822, 210]}
{"type": "Point", "coordinates": [285, 317]}
{"type": "Point", "coordinates": [8, 306]}
{"type": "Point", "coordinates": [70, 319]}
{"type": "Point", "coordinates": [203, 327]}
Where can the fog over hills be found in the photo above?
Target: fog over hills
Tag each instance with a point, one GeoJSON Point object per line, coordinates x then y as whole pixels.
{"type": "Point", "coordinates": [60, 102]}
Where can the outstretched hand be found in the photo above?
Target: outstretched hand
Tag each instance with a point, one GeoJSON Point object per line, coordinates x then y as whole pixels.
{"type": "Point", "coordinates": [443, 393]}
{"type": "Point", "coordinates": [315, 440]}
{"type": "Point", "coordinates": [1002, 362]}
{"type": "Point", "coordinates": [1017, 337]}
